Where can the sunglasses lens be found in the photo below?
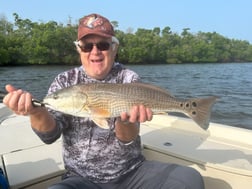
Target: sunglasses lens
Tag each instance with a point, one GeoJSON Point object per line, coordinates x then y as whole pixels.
{"type": "Point", "coordinates": [87, 47]}
{"type": "Point", "coordinates": [102, 46]}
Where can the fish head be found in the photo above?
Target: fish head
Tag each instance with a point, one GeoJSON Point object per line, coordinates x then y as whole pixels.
{"type": "Point", "coordinates": [69, 102]}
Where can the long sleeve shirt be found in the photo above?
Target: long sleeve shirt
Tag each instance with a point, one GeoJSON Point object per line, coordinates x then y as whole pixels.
{"type": "Point", "coordinates": [88, 150]}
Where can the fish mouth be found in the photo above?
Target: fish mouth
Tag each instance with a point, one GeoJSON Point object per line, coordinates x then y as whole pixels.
{"type": "Point", "coordinates": [38, 103]}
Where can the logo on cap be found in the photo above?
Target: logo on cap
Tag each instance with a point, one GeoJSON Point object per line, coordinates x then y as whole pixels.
{"type": "Point", "coordinates": [93, 22]}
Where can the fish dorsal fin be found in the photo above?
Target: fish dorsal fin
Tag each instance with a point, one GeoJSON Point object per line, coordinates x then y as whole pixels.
{"type": "Point", "coordinates": [154, 87]}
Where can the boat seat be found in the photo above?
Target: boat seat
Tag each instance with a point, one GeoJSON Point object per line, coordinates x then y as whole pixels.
{"type": "Point", "coordinates": [26, 168]}
{"type": "Point", "coordinates": [26, 160]}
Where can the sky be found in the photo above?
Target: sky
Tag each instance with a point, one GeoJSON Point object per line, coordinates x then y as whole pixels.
{"type": "Point", "coordinates": [230, 18]}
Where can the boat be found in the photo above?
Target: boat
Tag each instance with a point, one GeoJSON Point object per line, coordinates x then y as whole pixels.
{"type": "Point", "coordinates": [222, 154]}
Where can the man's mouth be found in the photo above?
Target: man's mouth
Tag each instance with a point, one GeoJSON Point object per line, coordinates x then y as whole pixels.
{"type": "Point", "coordinates": [97, 61]}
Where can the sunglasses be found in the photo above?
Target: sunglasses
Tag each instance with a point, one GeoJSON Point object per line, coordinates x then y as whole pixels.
{"type": "Point", "coordinates": [102, 46]}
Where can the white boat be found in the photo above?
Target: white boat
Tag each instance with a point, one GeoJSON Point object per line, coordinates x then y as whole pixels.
{"type": "Point", "coordinates": [222, 154]}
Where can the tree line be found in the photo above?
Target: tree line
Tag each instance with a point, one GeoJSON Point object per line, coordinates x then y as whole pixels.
{"type": "Point", "coordinates": [30, 43]}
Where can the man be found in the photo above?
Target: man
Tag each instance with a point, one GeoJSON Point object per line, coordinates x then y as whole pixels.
{"type": "Point", "coordinates": [96, 157]}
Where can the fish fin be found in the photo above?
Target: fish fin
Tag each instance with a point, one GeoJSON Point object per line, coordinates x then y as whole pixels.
{"type": "Point", "coordinates": [200, 110]}
{"type": "Point", "coordinates": [99, 112]}
{"type": "Point", "coordinates": [154, 87]}
{"type": "Point", "coordinates": [101, 122]}
{"type": "Point", "coordinates": [98, 116]}
{"type": "Point", "coordinates": [161, 113]}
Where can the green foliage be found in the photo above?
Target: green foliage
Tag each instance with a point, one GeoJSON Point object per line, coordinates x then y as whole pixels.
{"type": "Point", "coordinates": [27, 42]}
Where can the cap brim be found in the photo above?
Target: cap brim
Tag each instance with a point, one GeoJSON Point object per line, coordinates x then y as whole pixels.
{"type": "Point", "coordinates": [94, 33]}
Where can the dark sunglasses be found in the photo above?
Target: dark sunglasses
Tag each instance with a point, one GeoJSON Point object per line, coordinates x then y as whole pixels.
{"type": "Point", "coordinates": [102, 46]}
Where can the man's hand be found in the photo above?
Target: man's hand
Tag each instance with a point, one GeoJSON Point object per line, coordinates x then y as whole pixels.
{"type": "Point", "coordinates": [18, 101]}
{"type": "Point", "coordinates": [137, 114]}
{"type": "Point", "coordinates": [127, 126]}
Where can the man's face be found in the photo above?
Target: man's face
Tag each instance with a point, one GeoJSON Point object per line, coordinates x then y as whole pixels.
{"type": "Point", "coordinates": [98, 62]}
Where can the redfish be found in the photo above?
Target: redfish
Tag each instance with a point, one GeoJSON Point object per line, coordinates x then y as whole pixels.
{"type": "Point", "coordinates": [100, 101]}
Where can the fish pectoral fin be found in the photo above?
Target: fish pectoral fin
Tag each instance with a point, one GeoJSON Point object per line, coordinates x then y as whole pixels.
{"type": "Point", "coordinates": [99, 115]}
{"type": "Point", "coordinates": [99, 112]}
{"type": "Point", "coordinates": [101, 122]}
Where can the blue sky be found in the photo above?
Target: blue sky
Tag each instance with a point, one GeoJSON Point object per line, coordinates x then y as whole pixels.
{"type": "Point", "coordinates": [230, 18]}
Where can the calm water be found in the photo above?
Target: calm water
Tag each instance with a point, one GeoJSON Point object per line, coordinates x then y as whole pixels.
{"type": "Point", "coordinates": [231, 82]}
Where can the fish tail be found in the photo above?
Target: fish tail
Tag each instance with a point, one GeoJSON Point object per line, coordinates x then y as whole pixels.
{"type": "Point", "coordinates": [200, 110]}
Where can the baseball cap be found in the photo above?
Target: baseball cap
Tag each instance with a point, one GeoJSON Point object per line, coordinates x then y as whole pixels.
{"type": "Point", "coordinates": [95, 24]}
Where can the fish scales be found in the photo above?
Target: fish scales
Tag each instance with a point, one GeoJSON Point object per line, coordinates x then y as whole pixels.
{"type": "Point", "coordinates": [120, 98]}
{"type": "Point", "coordinates": [105, 100]}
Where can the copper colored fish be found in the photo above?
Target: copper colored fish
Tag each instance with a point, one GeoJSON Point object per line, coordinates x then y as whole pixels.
{"type": "Point", "coordinates": [100, 101]}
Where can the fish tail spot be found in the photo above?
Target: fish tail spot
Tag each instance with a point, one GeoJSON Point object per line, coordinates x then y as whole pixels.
{"type": "Point", "coordinates": [194, 113]}
{"type": "Point", "coordinates": [200, 110]}
{"type": "Point", "coordinates": [194, 104]}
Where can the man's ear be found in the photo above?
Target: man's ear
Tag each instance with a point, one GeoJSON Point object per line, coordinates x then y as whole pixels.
{"type": "Point", "coordinates": [115, 46]}
{"type": "Point", "coordinates": [77, 46]}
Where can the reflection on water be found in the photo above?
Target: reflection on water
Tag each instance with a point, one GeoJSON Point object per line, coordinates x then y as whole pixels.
{"type": "Point", "coordinates": [232, 83]}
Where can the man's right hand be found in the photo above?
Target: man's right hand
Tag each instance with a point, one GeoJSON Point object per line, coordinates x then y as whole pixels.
{"type": "Point", "coordinates": [19, 101]}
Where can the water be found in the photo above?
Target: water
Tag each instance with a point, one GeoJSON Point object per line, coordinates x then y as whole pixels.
{"type": "Point", "coordinates": [231, 82]}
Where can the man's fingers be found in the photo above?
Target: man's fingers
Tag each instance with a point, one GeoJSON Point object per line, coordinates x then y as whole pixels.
{"type": "Point", "coordinates": [11, 99]}
{"type": "Point", "coordinates": [149, 114]}
{"type": "Point", "coordinates": [9, 88]}
{"type": "Point", "coordinates": [134, 113]}
{"type": "Point", "coordinates": [124, 116]}
{"type": "Point", "coordinates": [142, 114]}
{"type": "Point", "coordinates": [137, 114]}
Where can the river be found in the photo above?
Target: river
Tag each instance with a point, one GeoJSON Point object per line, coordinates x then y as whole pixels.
{"type": "Point", "coordinates": [231, 82]}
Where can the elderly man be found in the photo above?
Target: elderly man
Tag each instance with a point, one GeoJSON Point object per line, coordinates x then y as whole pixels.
{"type": "Point", "coordinates": [96, 157]}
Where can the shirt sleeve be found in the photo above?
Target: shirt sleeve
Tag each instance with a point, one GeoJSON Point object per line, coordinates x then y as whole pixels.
{"type": "Point", "coordinates": [60, 119]}
{"type": "Point", "coordinates": [49, 137]}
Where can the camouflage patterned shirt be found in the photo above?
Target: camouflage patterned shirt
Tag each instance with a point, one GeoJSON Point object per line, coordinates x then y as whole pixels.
{"type": "Point", "coordinates": [89, 150]}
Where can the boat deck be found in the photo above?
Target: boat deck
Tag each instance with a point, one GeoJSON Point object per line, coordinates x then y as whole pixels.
{"type": "Point", "coordinates": [222, 154]}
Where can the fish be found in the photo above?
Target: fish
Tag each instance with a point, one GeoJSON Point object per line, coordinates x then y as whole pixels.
{"type": "Point", "coordinates": [100, 101]}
